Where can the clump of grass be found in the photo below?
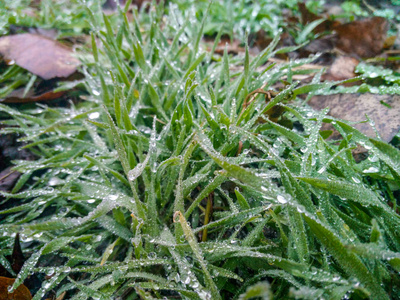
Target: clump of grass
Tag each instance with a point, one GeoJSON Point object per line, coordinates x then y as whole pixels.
{"type": "Point", "coordinates": [171, 181]}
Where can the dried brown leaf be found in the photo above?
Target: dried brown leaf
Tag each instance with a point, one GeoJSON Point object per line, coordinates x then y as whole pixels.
{"type": "Point", "coordinates": [364, 38]}
{"type": "Point", "coordinates": [8, 178]}
{"type": "Point", "coordinates": [17, 256]}
{"type": "Point", "coordinates": [50, 33]}
{"type": "Point", "coordinates": [308, 17]}
{"type": "Point", "coordinates": [21, 293]}
{"type": "Point", "coordinates": [39, 55]}
{"type": "Point", "coordinates": [354, 107]}
{"type": "Point", "coordinates": [17, 96]}
{"type": "Point", "coordinates": [342, 68]}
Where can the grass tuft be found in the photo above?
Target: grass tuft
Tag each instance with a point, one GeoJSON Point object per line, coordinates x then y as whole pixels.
{"type": "Point", "coordinates": [171, 180]}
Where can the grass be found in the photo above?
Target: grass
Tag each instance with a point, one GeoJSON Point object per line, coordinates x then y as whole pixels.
{"type": "Point", "coordinates": [169, 180]}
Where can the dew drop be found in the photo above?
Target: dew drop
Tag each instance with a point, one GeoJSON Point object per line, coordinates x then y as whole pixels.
{"type": "Point", "coordinates": [281, 199]}
{"type": "Point", "coordinates": [113, 197]}
{"type": "Point", "coordinates": [94, 115]}
{"type": "Point", "coordinates": [54, 181]}
{"type": "Point", "coordinates": [371, 170]}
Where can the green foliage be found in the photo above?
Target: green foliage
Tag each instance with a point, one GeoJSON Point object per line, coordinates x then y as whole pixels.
{"type": "Point", "coordinates": [377, 80]}
{"type": "Point", "coordinates": [123, 180]}
{"type": "Point", "coordinates": [236, 18]}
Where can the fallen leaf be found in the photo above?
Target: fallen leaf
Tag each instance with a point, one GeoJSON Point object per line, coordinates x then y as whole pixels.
{"type": "Point", "coordinates": [17, 96]}
{"type": "Point", "coordinates": [62, 295]}
{"type": "Point", "coordinates": [389, 42]}
{"type": "Point", "coordinates": [308, 17]}
{"type": "Point", "coordinates": [8, 178]}
{"type": "Point", "coordinates": [342, 68]}
{"type": "Point", "coordinates": [16, 259]}
{"type": "Point", "coordinates": [354, 107]}
{"type": "Point", "coordinates": [29, 11]}
{"type": "Point", "coordinates": [231, 48]}
{"type": "Point", "coordinates": [364, 38]}
{"type": "Point", "coordinates": [21, 293]}
{"type": "Point", "coordinates": [111, 5]}
{"type": "Point", "coordinates": [261, 39]}
{"type": "Point", "coordinates": [39, 55]}
{"type": "Point", "coordinates": [324, 44]}
{"type": "Point", "coordinates": [50, 33]}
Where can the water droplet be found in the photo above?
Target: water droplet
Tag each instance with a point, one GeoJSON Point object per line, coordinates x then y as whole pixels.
{"type": "Point", "coordinates": [94, 115]}
{"type": "Point", "coordinates": [50, 272]}
{"type": "Point", "coordinates": [281, 199]}
{"type": "Point", "coordinates": [367, 147]}
{"type": "Point", "coordinates": [54, 181]}
{"type": "Point", "coordinates": [371, 170]}
{"type": "Point", "coordinates": [301, 209]}
{"type": "Point", "coordinates": [113, 197]}
{"type": "Point", "coordinates": [47, 285]}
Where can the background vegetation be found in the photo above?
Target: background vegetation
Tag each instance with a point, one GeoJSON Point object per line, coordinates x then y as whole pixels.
{"type": "Point", "coordinates": [163, 176]}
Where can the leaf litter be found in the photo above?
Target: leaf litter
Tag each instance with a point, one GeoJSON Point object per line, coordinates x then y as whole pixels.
{"type": "Point", "coordinates": [39, 55]}
{"type": "Point", "coordinates": [47, 61]}
{"type": "Point", "coordinates": [375, 114]}
{"type": "Point", "coordinates": [15, 262]}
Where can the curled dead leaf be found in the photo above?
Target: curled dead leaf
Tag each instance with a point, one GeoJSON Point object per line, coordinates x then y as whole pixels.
{"type": "Point", "coordinates": [17, 96]}
{"type": "Point", "coordinates": [39, 55]}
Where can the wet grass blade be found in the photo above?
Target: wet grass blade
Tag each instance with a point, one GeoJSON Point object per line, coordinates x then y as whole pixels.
{"type": "Point", "coordinates": [197, 252]}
